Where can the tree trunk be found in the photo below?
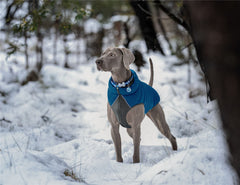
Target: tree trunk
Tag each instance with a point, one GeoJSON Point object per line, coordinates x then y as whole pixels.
{"type": "Point", "coordinates": [165, 33]}
{"type": "Point", "coordinates": [66, 52]}
{"type": "Point", "coordinates": [128, 39]}
{"type": "Point", "coordinates": [26, 49]}
{"type": "Point", "coordinates": [78, 51]}
{"type": "Point", "coordinates": [215, 31]}
{"type": "Point", "coordinates": [55, 46]}
{"type": "Point", "coordinates": [141, 9]}
{"type": "Point", "coordinates": [185, 23]}
{"type": "Point", "coordinates": [39, 51]}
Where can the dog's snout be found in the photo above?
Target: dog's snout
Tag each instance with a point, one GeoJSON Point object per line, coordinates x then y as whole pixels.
{"type": "Point", "coordinates": [99, 61]}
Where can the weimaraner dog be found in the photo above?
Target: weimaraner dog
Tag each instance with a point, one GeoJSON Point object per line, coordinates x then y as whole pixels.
{"type": "Point", "coordinates": [122, 108]}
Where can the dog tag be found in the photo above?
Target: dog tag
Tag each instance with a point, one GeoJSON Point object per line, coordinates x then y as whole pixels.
{"type": "Point", "coordinates": [129, 89]}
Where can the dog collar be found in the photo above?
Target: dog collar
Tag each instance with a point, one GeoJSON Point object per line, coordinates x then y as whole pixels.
{"type": "Point", "coordinates": [125, 84]}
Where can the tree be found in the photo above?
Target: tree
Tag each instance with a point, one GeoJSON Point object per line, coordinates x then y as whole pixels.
{"type": "Point", "coordinates": [141, 9]}
{"type": "Point", "coordinates": [176, 10]}
{"type": "Point", "coordinates": [215, 31]}
{"type": "Point", "coordinates": [37, 20]}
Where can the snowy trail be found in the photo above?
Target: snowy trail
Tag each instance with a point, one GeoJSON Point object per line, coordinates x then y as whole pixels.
{"type": "Point", "coordinates": [61, 123]}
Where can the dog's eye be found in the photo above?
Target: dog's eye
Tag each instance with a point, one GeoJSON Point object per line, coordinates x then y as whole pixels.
{"type": "Point", "coordinates": [111, 54]}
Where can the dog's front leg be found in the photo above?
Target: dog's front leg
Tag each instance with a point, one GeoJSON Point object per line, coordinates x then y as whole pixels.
{"type": "Point", "coordinates": [115, 133]}
{"type": "Point", "coordinates": [136, 143]}
{"type": "Point", "coordinates": [117, 142]}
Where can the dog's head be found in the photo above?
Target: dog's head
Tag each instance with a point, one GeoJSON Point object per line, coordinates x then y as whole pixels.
{"type": "Point", "coordinates": [113, 59]}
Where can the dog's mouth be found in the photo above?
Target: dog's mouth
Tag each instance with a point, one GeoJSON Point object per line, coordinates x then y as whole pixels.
{"type": "Point", "coordinates": [100, 68]}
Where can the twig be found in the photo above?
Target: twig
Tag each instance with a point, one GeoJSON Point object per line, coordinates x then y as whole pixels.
{"type": "Point", "coordinates": [162, 171]}
{"type": "Point", "coordinates": [188, 45]}
{"type": "Point", "coordinates": [201, 171]}
{"type": "Point", "coordinates": [172, 16]}
{"type": "Point", "coordinates": [16, 143]}
{"type": "Point", "coordinates": [147, 12]}
{"type": "Point", "coordinates": [3, 119]}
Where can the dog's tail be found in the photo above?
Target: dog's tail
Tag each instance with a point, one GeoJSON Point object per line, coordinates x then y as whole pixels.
{"type": "Point", "coordinates": [152, 73]}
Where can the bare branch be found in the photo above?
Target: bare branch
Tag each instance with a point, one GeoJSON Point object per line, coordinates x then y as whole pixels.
{"type": "Point", "coordinates": [172, 16]}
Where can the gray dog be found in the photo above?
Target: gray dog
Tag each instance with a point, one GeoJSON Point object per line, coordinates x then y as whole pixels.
{"type": "Point", "coordinates": [129, 99]}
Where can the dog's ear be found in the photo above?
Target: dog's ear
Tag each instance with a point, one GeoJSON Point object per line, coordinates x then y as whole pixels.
{"type": "Point", "coordinates": [128, 57]}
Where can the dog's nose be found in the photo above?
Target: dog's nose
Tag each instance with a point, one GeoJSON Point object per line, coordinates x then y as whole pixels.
{"type": "Point", "coordinates": [99, 61]}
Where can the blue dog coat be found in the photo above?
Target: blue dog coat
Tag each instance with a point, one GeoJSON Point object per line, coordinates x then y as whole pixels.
{"type": "Point", "coordinates": [122, 99]}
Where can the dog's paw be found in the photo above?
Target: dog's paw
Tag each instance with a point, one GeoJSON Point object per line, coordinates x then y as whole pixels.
{"type": "Point", "coordinates": [120, 160]}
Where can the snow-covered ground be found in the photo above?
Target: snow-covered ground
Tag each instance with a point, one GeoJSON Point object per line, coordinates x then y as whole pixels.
{"type": "Point", "coordinates": [55, 131]}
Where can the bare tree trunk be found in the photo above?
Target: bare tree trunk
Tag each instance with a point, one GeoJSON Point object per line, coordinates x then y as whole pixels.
{"type": "Point", "coordinates": [78, 31]}
{"type": "Point", "coordinates": [78, 53]}
{"type": "Point", "coordinates": [215, 32]}
{"type": "Point", "coordinates": [157, 21]}
{"type": "Point", "coordinates": [165, 34]}
{"type": "Point", "coordinates": [55, 46]}
{"type": "Point", "coordinates": [126, 30]}
{"type": "Point", "coordinates": [141, 9]}
{"type": "Point", "coordinates": [26, 49]}
{"type": "Point", "coordinates": [185, 23]}
{"type": "Point", "coordinates": [39, 51]}
{"type": "Point", "coordinates": [66, 52]}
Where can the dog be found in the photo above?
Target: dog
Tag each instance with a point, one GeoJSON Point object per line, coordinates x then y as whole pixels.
{"type": "Point", "coordinates": [129, 99]}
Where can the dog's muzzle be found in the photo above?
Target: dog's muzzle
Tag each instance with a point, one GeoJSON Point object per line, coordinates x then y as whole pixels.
{"type": "Point", "coordinates": [99, 63]}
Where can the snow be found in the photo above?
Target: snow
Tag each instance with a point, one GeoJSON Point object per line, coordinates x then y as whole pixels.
{"type": "Point", "coordinates": [92, 26]}
{"type": "Point", "coordinates": [117, 18]}
{"type": "Point", "coordinates": [59, 124]}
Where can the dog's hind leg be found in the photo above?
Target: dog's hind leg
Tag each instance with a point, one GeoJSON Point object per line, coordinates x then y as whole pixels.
{"type": "Point", "coordinates": [158, 118]}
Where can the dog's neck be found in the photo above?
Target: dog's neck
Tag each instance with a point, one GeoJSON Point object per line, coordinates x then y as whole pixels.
{"type": "Point", "coordinates": [121, 76]}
